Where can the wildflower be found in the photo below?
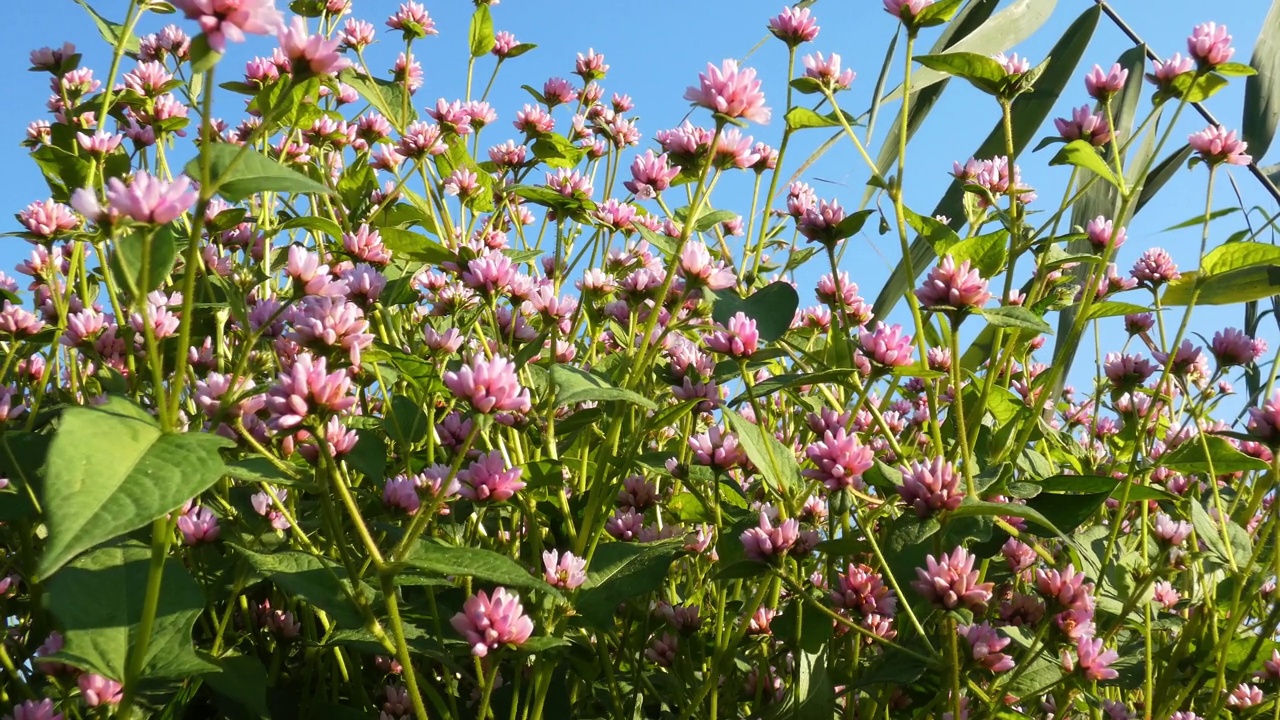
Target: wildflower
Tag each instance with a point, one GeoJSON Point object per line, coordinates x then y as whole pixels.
{"type": "Point", "coordinates": [1103, 233]}
{"type": "Point", "coordinates": [413, 21]}
{"type": "Point", "coordinates": [766, 541]}
{"type": "Point", "coordinates": [1084, 124]}
{"type": "Point", "coordinates": [489, 385]}
{"type": "Point", "coordinates": [489, 622]}
{"type": "Point", "coordinates": [949, 285]}
{"type": "Point", "coordinates": [566, 571]}
{"type": "Point", "coordinates": [717, 448]}
{"type": "Point", "coordinates": [827, 71]}
{"type": "Point", "coordinates": [887, 345]}
{"type": "Point", "coordinates": [841, 460]}
{"type": "Point", "coordinates": [1210, 45]}
{"type": "Point", "coordinates": [906, 10]}
{"type": "Point", "coordinates": [932, 487]}
{"type": "Point", "coordinates": [862, 589]}
{"type": "Point", "coordinates": [820, 220]}
{"type": "Point", "coordinates": [33, 710]}
{"type": "Point", "coordinates": [1154, 268]}
{"type": "Point", "coordinates": [98, 690]}
{"type": "Point", "coordinates": [147, 199]}
{"type": "Point", "coordinates": [307, 388]}
{"type": "Point", "coordinates": [489, 478]}
{"type": "Point", "coordinates": [1217, 145]}
{"type": "Point", "coordinates": [198, 525]}
{"type": "Point", "coordinates": [730, 91]}
{"type": "Point", "coordinates": [739, 339]}
{"type": "Point", "coordinates": [223, 20]}
{"type": "Point", "coordinates": [401, 493]}
{"type": "Point", "coordinates": [794, 26]}
{"type": "Point", "coordinates": [1232, 347]}
{"type": "Point", "coordinates": [313, 53]}
{"type": "Point", "coordinates": [48, 219]}
{"type": "Point", "coordinates": [951, 581]}
{"type": "Point", "coordinates": [985, 645]}
{"type": "Point", "coordinates": [1093, 660]}
{"type": "Point", "coordinates": [1103, 85]}
{"type": "Point", "coordinates": [1264, 421]}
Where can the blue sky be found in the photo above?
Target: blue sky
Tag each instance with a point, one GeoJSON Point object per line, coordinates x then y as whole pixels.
{"type": "Point", "coordinates": [656, 48]}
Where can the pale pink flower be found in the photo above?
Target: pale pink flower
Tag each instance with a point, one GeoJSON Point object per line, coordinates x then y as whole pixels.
{"type": "Point", "coordinates": [699, 270]}
{"type": "Point", "coordinates": [931, 487]}
{"type": "Point", "coordinates": [766, 541]}
{"type": "Point", "coordinates": [489, 479]}
{"type": "Point", "coordinates": [1232, 347]}
{"type": "Point", "coordinates": [840, 458]}
{"type": "Point", "coordinates": [1210, 45]}
{"type": "Point", "coordinates": [730, 91]}
{"type": "Point", "coordinates": [1166, 71]}
{"type": "Point", "coordinates": [719, 449]}
{"type": "Point", "coordinates": [1084, 124]}
{"type": "Point", "coordinates": [949, 285]}
{"type": "Point", "coordinates": [985, 644]}
{"type": "Point", "coordinates": [198, 525]}
{"type": "Point", "coordinates": [827, 71]}
{"type": "Point", "coordinates": [819, 221]}
{"type": "Point", "coordinates": [489, 385]}
{"type": "Point", "coordinates": [358, 34]}
{"type": "Point", "coordinates": [1154, 268]}
{"type": "Point", "coordinates": [1102, 84]}
{"type": "Point", "coordinates": [1012, 64]}
{"type": "Point", "coordinates": [490, 622]}
{"type": "Point", "coordinates": [147, 199]}
{"type": "Point", "coordinates": [315, 53]}
{"type": "Point", "coordinates": [1217, 145]}
{"type": "Point", "coordinates": [35, 710]}
{"type": "Point", "coordinates": [48, 219]}
{"type": "Point", "coordinates": [223, 20]}
{"type": "Point", "coordinates": [906, 10]}
{"type": "Point", "coordinates": [97, 690]}
{"type": "Point", "coordinates": [738, 339]}
{"type": "Point", "coordinates": [1103, 233]}
{"type": "Point", "coordinates": [566, 571]}
{"type": "Point", "coordinates": [306, 388]}
{"type": "Point", "coordinates": [887, 345]}
{"type": "Point", "coordinates": [413, 20]}
{"type": "Point", "coordinates": [794, 26]}
{"type": "Point", "coordinates": [650, 175]}
{"type": "Point", "coordinates": [1093, 660]}
{"type": "Point", "coordinates": [503, 43]}
{"type": "Point", "coordinates": [951, 581]}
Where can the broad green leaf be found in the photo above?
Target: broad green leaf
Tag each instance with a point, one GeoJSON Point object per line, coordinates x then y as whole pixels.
{"type": "Point", "coordinates": [1016, 316]}
{"type": "Point", "coordinates": [314, 223]}
{"type": "Point", "coordinates": [387, 97]}
{"type": "Point", "coordinates": [1083, 155]}
{"type": "Point", "coordinates": [1068, 511]}
{"type": "Point", "coordinates": [319, 581]}
{"type": "Point", "coordinates": [406, 423]}
{"type": "Point", "coordinates": [1229, 288]}
{"type": "Point", "coordinates": [1237, 255]}
{"type": "Point", "coordinates": [1262, 91]}
{"type": "Point", "coordinates": [110, 31]}
{"type": "Point", "coordinates": [240, 172]}
{"type": "Point", "coordinates": [575, 386]}
{"type": "Point", "coordinates": [556, 151]}
{"type": "Point", "coordinates": [243, 680]}
{"type": "Point", "coordinates": [1209, 532]}
{"type": "Point", "coordinates": [620, 572]}
{"type": "Point", "coordinates": [773, 307]}
{"type": "Point", "coordinates": [938, 13]}
{"type": "Point", "coordinates": [1029, 112]}
{"type": "Point", "coordinates": [111, 470]}
{"type": "Point", "coordinates": [937, 233]}
{"type": "Point", "coordinates": [986, 253]}
{"type": "Point", "coordinates": [1196, 87]}
{"type": "Point", "coordinates": [131, 253]}
{"type": "Point", "coordinates": [98, 600]}
{"type": "Point", "coordinates": [977, 508]}
{"type": "Point", "coordinates": [414, 246]}
{"type": "Point", "coordinates": [712, 218]}
{"type": "Point", "coordinates": [981, 71]}
{"type": "Point", "coordinates": [1114, 309]}
{"type": "Point", "coordinates": [484, 565]}
{"type": "Point", "coordinates": [1094, 484]}
{"type": "Point", "coordinates": [801, 118]}
{"type": "Point", "coordinates": [1191, 457]}
{"type": "Point", "coordinates": [773, 459]}
{"type": "Point", "coordinates": [480, 34]}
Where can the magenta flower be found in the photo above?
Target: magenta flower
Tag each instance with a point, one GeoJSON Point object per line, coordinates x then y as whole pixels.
{"type": "Point", "coordinates": [566, 571]}
{"type": "Point", "coordinates": [489, 385]}
{"type": "Point", "coordinates": [147, 199]}
{"type": "Point", "coordinates": [1102, 85]}
{"type": "Point", "coordinates": [699, 270]}
{"type": "Point", "coordinates": [33, 710]}
{"type": "Point", "coordinates": [198, 525]}
{"type": "Point", "coordinates": [307, 388]}
{"type": "Point", "coordinates": [401, 493]}
{"type": "Point", "coordinates": [1092, 659]}
{"type": "Point", "coordinates": [1265, 421]}
{"type": "Point", "coordinates": [932, 487]}
{"type": "Point", "coordinates": [827, 71]}
{"type": "Point", "coordinates": [98, 690]}
{"type": "Point", "coordinates": [819, 221]}
{"type": "Point", "coordinates": [1127, 371]}
{"type": "Point", "coordinates": [223, 20]}
{"type": "Point", "coordinates": [490, 622]}
{"type": "Point", "coordinates": [489, 479]}
{"type": "Point", "coordinates": [1245, 696]}
{"type": "Point", "coordinates": [951, 582]}
{"type": "Point", "coordinates": [413, 20]}
{"type": "Point", "coordinates": [1154, 268]}
{"type": "Point", "coordinates": [765, 541]}
{"type": "Point", "coordinates": [1084, 124]}
{"type": "Point", "coordinates": [503, 43]}
{"type": "Point", "coordinates": [862, 590]}
{"type": "Point", "coordinates": [314, 53]}
{"type": "Point", "coordinates": [718, 449]}
{"type": "Point", "coordinates": [906, 10]}
{"type": "Point", "coordinates": [1217, 145]}
{"type": "Point", "coordinates": [651, 175]}
{"type": "Point", "coordinates": [730, 91]}
{"type": "Point", "coordinates": [887, 345]}
{"type": "Point", "coordinates": [1067, 587]}
{"type": "Point", "coordinates": [1232, 347]}
{"type": "Point", "coordinates": [841, 460]}
{"type": "Point", "coordinates": [1210, 45]}
{"type": "Point", "coordinates": [949, 285]}
{"type": "Point", "coordinates": [1103, 233]}
{"type": "Point", "coordinates": [794, 26]}
{"type": "Point", "coordinates": [985, 645]}
{"type": "Point", "coordinates": [739, 339]}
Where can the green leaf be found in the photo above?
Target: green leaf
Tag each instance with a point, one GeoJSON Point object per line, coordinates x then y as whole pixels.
{"type": "Point", "coordinates": [484, 565]}
{"type": "Point", "coordinates": [480, 34]}
{"type": "Point", "coordinates": [938, 13]}
{"type": "Point", "coordinates": [1228, 288]}
{"type": "Point", "coordinates": [319, 581]}
{"type": "Point", "coordinates": [98, 600]}
{"type": "Point", "coordinates": [1094, 484]}
{"type": "Point", "coordinates": [1083, 155]}
{"type": "Point", "coordinates": [243, 680]}
{"type": "Point", "coordinates": [1068, 511]}
{"type": "Point", "coordinates": [314, 223]}
{"type": "Point", "coordinates": [979, 508]}
{"type": "Point", "coordinates": [204, 58]}
{"type": "Point", "coordinates": [782, 382]}
{"type": "Point", "coordinates": [773, 307]}
{"type": "Point", "coordinates": [414, 246]}
{"type": "Point", "coordinates": [110, 31]}
{"type": "Point", "coordinates": [1016, 316]}
{"type": "Point", "coordinates": [240, 172]}
{"type": "Point", "coordinates": [851, 224]}
{"type": "Point", "coordinates": [1209, 532]}
{"type": "Point", "coordinates": [985, 253]}
{"type": "Point", "coordinates": [773, 459]}
{"type": "Point", "coordinates": [1195, 87]}
{"type": "Point", "coordinates": [1237, 255]}
{"type": "Point", "coordinates": [387, 97]}
{"type": "Point", "coordinates": [575, 386]}
{"type": "Point", "coordinates": [111, 470]}
{"type": "Point", "coordinates": [1114, 309]}
{"type": "Point", "coordinates": [556, 151]}
{"type": "Point", "coordinates": [1262, 91]}
{"type": "Point", "coordinates": [620, 572]}
{"type": "Point", "coordinates": [982, 71]}
{"type": "Point", "coordinates": [938, 234]}
{"type": "Point", "coordinates": [128, 257]}
{"type": "Point", "coordinates": [1199, 219]}
{"type": "Point", "coordinates": [801, 118]}
{"type": "Point", "coordinates": [406, 423]}
{"type": "Point", "coordinates": [1190, 458]}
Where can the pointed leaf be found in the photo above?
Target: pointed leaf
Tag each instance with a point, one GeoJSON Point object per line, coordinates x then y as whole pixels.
{"type": "Point", "coordinates": [484, 565]}
{"type": "Point", "coordinates": [575, 386]}
{"type": "Point", "coordinates": [1083, 155]}
{"type": "Point", "coordinates": [481, 31]}
{"type": "Point", "coordinates": [240, 172]}
{"type": "Point", "coordinates": [1016, 316]}
{"type": "Point", "coordinates": [623, 571]}
{"type": "Point", "coordinates": [773, 307]}
{"type": "Point", "coordinates": [1262, 91]}
{"type": "Point", "coordinates": [319, 581]}
{"type": "Point", "coordinates": [773, 459]}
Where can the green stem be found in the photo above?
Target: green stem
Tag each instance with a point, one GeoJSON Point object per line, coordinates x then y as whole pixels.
{"type": "Point", "coordinates": [161, 530]}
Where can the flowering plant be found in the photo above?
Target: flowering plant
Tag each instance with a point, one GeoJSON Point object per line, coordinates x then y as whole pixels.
{"type": "Point", "coordinates": [332, 411]}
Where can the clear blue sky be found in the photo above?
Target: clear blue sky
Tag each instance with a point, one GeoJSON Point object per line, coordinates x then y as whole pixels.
{"type": "Point", "coordinates": [656, 48]}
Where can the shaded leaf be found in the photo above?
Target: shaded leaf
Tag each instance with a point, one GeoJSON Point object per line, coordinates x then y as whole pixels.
{"type": "Point", "coordinates": [773, 307]}
{"type": "Point", "coordinates": [1262, 91]}
{"type": "Point", "coordinates": [575, 386]}
{"type": "Point", "coordinates": [623, 571]}
{"type": "Point", "coordinates": [483, 565]}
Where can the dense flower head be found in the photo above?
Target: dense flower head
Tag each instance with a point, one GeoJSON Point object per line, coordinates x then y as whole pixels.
{"type": "Point", "coordinates": [931, 487]}
{"type": "Point", "coordinates": [887, 345]}
{"type": "Point", "coordinates": [1013, 64]}
{"type": "Point", "coordinates": [730, 91]}
{"type": "Point", "coordinates": [98, 690]}
{"type": "Point", "coordinates": [489, 478]}
{"type": "Point", "coordinates": [1210, 45]}
{"type": "Point", "coordinates": [223, 20]}
{"type": "Point", "coordinates": [314, 53]}
{"type": "Point", "coordinates": [306, 388]}
{"type": "Point", "coordinates": [826, 70]}
{"type": "Point", "coordinates": [840, 459]}
{"type": "Point", "coordinates": [951, 582]}
{"type": "Point", "coordinates": [35, 710]}
{"type": "Point", "coordinates": [717, 448]}
{"type": "Point", "coordinates": [953, 286]}
{"type": "Point", "coordinates": [1155, 267]}
{"type": "Point", "coordinates": [489, 385]}
{"type": "Point", "coordinates": [651, 175]}
{"type": "Point", "coordinates": [198, 525]}
{"type": "Point", "coordinates": [146, 199]}
{"type": "Point", "coordinates": [566, 571]}
{"type": "Point", "coordinates": [766, 541]}
{"type": "Point", "coordinates": [1092, 659]}
{"type": "Point", "coordinates": [819, 220]}
{"type": "Point", "coordinates": [862, 590]}
{"type": "Point", "coordinates": [489, 622]}
{"type": "Point", "coordinates": [1101, 84]}
{"type": "Point", "coordinates": [413, 20]}
{"type": "Point", "coordinates": [1103, 233]}
{"type": "Point", "coordinates": [794, 25]}
{"type": "Point", "coordinates": [1264, 422]}
{"type": "Point", "coordinates": [1085, 124]}
{"type": "Point", "coordinates": [1231, 347]}
{"type": "Point", "coordinates": [985, 644]}
{"type": "Point", "coordinates": [1215, 145]}
{"type": "Point", "coordinates": [738, 338]}
{"type": "Point", "coordinates": [906, 10]}
{"type": "Point", "coordinates": [48, 219]}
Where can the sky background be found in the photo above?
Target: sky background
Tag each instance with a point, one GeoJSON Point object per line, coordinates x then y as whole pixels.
{"type": "Point", "coordinates": [656, 48]}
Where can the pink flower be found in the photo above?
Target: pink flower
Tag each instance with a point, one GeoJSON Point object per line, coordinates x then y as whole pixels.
{"type": "Point", "coordinates": [951, 582]}
{"type": "Point", "coordinates": [985, 645]}
{"type": "Point", "coordinates": [1264, 421]}
{"type": "Point", "coordinates": [566, 571]}
{"type": "Point", "coordinates": [1102, 85]}
{"type": "Point", "coordinates": [1012, 64]}
{"type": "Point", "coordinates": [719, 448]}
{"type": "Point", "coordinates": [1154, 268]}
{"type": "Point", "coordinates": [840, 458]}
{"type": "Point", "coordinates": [315, 53]}
{"type": "Point", "coordinates": [1170, 531]}
{"type": "Point", "coordinates": [730, 91]}
{"type": "Point", "coordinates": [949, 285]}
{"type": "Point", "coordinates": [489, 385]}
{"type": "Point", "coordinates": [489, 479]}
{"type": "Point", "coordinates": [766, 541]}
{"type": "Point", "coordinates": [819, 221]}
{"type": "Point", "coordinates": [1067, 587]}
{"type": "Point", "coordinates": [223, 20]}
{"type": "Point", "coordinates": [1216, 145]}
{"type": "Point", "coordinates": [827, 71]}
{"type": "Point", "coordinates": [147, 199]}
{"type": "Point", "coordinates": [490, 622]}
{"type": "Point", "coordinates": [98, 690]}
{"type": "Point", "coordinates": [307, 388]}
{"type": "Point", "coordinates": [557, 91]}
{"type": "Point", "coordinates": [33, 710]}
{"type": "Point", "coordinates": [794, 26]}
{"type": "Point", "coordinates": [1245, 696]}
{"type": "Point", "coordinates": [358, 34]}
{"type": "Point", "coordinates": [906, 10]}
{"type": "Point", "coordinates": [503, 43]}
{"type": "Point", "coordinates": [413, 20]}
{"type": "Point", "coordinates": [739, 339]}
{"type": "Point", "coordinates": [932, 487]}
{"type": "Point", "coordinates": [1166, 71]}
{"type": "Point", "coordinates": [590, 66]}
{"type": "Point", "coordinates": [1092, 659]}
{"type": "Point", "coordinates": [862, 590]}
{"type": "Point", "coordinates": [198, 525]}
{"type": "Point", "coordinates": [887, 345]}
{"type": "Point", "coordinates": [1232, 347]}
{"type": "Point", "coordinates": [1084, 124]}
{"type": "Point", "coordinates": [401, 493]}
{"type": "Point", "coordinates": [650, 175]}
{"type": "Point", "coordinates": [366, 244]}
{"type": "Point", "coordinates": [1103, 233]}
{"type": "Point", "coordinates": [699, 270]}
{"type": "Point", "coordinates": [1210, 45]}
{"type": "Point", "coordinates": [48, 219]}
